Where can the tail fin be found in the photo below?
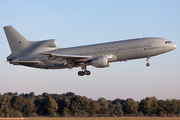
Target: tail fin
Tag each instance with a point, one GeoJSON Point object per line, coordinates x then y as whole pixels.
{"type": "Point", "coordinates": [16, 41]}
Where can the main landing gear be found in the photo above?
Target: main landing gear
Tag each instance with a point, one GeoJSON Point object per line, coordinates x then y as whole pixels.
{"type": "Point", "coordinates": [147, 60]}
{"type": "Point", "coordinates": [84, 71]}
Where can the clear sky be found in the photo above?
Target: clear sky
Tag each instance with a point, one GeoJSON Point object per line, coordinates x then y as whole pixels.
{"type": "Point", "coordinates": [82, 22]}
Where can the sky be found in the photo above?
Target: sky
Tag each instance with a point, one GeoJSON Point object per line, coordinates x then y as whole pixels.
{"type": "Point", "coordinates": [83, 22]}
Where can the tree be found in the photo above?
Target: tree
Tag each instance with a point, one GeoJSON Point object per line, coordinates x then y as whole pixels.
{"type": "Point", "coordinates": [171, 106]}
{"type": "Point", "coordinates": [5, 106]}
{"type": "Point", "coordinates": [18, 103]}
{"type": "Point", "coordinates": [50, 106]}
{"type": "Point", "coordinates": [160, 111]}
{"type": "Point", "coordinates": [178, 108]}
{"type": "Point", "coordinates": [148, 105]}
{"type": "Point", "coordinates": [66, 112]}
{"type": "Point", "coordinates": [121, 101]}
{"type": "Point", "coordinates": [70, 94]}
{"type": "Point", "coordinates": [10, 94]}
{"type": "Point", "coordinates": [131, 107]}
{"type": "Point", "coordinates": [103, 103]}
{"type": "Point", "coordinates": [32, 96]}
{"type": "Point", "coordinates": [79, 106]}
{"type": "Point", "coordinates": [93, 108]}
{"type": "Point", "coordinates": [39, 107]}
{"type": "Point", "coordinates": [45, 94]}
{"type": "Point", "coordinates": [118, 110]}
{"type": "Point", "coordinates": [61, 105]}
{"type": "Point", "coordinates": [6, 110]}
{"type": "Point", "coordinates": [0, 96]}
{"type": "Point", "coordinates": [104, 112]}
{"type": "Point", "coordinates": [29, 107]}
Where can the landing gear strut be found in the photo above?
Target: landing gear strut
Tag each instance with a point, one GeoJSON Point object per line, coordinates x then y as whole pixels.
{"type": "Point", "coordinates": [84, 71]}
{"type": "Point", "coordinates": [147, 60]}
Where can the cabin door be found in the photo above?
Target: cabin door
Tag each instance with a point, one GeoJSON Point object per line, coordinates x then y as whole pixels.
{"type": "Point", "coordinates": [151, 44]}
{"type": "Point", "coordinates": [116, 48]}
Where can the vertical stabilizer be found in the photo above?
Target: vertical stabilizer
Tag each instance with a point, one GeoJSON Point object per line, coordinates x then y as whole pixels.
{"type": "Point", "coordinates": [17, 42]}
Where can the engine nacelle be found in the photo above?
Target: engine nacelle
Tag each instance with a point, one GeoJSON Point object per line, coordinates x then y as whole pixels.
{"type": "Point", "coordinates": [100, 62]}
{"type": "Point", "coordinates": [47, 43]}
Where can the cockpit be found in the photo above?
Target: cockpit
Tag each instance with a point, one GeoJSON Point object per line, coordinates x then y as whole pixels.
{"type": "Point", "coordinates": [167, 42]}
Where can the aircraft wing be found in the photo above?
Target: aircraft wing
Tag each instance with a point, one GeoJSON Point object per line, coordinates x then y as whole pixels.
{"type": "Point", "coordinates": [54, 56]}
{"type": "Point", "coordinates": [23, 62]}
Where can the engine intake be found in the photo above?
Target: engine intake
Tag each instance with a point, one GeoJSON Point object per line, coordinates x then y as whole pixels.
{"type": "Point", "coordinates": [100, 62]}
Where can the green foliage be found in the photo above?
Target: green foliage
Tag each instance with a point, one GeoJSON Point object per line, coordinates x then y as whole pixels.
{"type": "Point", "coordinates": [10, 94]}
{"type": "Point", "coordinates": [93, 108]}
{"type": "Point", "coordinates": [131, 107]}
{"type": "Point", "coordinates": [15, 113]}
{"type": "Point", "coordinates": [0, 96]}
{"type": "Point", "coordinates": [79, 106]}
{"type": "Point", "coordinates": [31, 94]}
{"type": "Point", "coordinates": [69, 104]}
{"type": "Point", "coordinates": [160, 111]}
{"type": "Point", "coordinates": [61, 105]}
{"type": "Point", "coordinates": [50, 106]}
{"type": "Point", "coordinates": [171, 106]}
{"type": "Point", "coordinates": [39, 107]}
{"type": "Point", "coordinates": [118, 110]}
{"type": "Point", "coordinates": [18, 103]}
{"type": "Point", "coordinates": [66, 112]}
{"type": "Point", "coordinates": [29, 108]}
{"type": "Point", "coordinates": [103, 103]}
{"type": "Point", "coordinates": [5, 106]}
{"type": "Point", "coordinates": [148, 105]}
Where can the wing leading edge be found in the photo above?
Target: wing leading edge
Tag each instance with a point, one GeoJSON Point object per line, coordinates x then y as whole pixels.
{"type": "Point", "coordinates": [54, 56]}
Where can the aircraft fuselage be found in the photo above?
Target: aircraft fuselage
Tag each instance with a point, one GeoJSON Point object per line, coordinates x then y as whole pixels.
{"type": "Point", "coordinates": [119, 50]}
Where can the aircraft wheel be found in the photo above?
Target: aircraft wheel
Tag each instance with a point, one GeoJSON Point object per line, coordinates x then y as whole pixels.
{"type": "Point", "coordinates": [87, 72]}
{"type": "Point", "coordinates": [81, 73]}
{"type": "Point", "coordinates": [147, 64]}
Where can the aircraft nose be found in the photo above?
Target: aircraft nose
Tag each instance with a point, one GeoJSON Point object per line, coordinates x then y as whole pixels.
{"type": "Point", "coordinates": [175, 46]}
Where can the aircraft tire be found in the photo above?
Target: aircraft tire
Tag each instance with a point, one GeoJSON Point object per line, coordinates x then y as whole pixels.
{"type": "Point", "coordinates": [87, 72]}
{"type": "Point", "coordinates": [81, 73]}
{"type": "Point", "coordinates": [147, 64]}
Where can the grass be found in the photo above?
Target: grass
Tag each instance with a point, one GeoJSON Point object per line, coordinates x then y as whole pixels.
{"type": "Point", "coordinates": [94, 118]}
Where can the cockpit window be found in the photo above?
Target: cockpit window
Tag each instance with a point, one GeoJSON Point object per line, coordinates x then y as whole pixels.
{"type": "Point", "coordinates": [167, 42]}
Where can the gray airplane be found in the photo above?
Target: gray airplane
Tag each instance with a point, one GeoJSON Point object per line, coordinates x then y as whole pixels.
{"type": "Point", "coordinates": [46, 55]}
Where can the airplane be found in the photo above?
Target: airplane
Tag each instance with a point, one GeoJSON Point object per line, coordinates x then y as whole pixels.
{"type": "Point", "coordinates": [46, 55]}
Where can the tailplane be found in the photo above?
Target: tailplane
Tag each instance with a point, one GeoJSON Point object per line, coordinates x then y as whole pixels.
{"type": "Point", "coordinates": [17, 42]}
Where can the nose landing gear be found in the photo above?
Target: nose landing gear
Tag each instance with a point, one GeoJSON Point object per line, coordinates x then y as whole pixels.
{"type": "Point", "coordinates": [147, 64]}
{"type": "Point", "coordinates": [147, 60]}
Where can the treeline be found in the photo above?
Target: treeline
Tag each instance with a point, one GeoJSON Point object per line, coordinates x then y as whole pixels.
{"type": "Point", "coordinates": [71, 105]}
